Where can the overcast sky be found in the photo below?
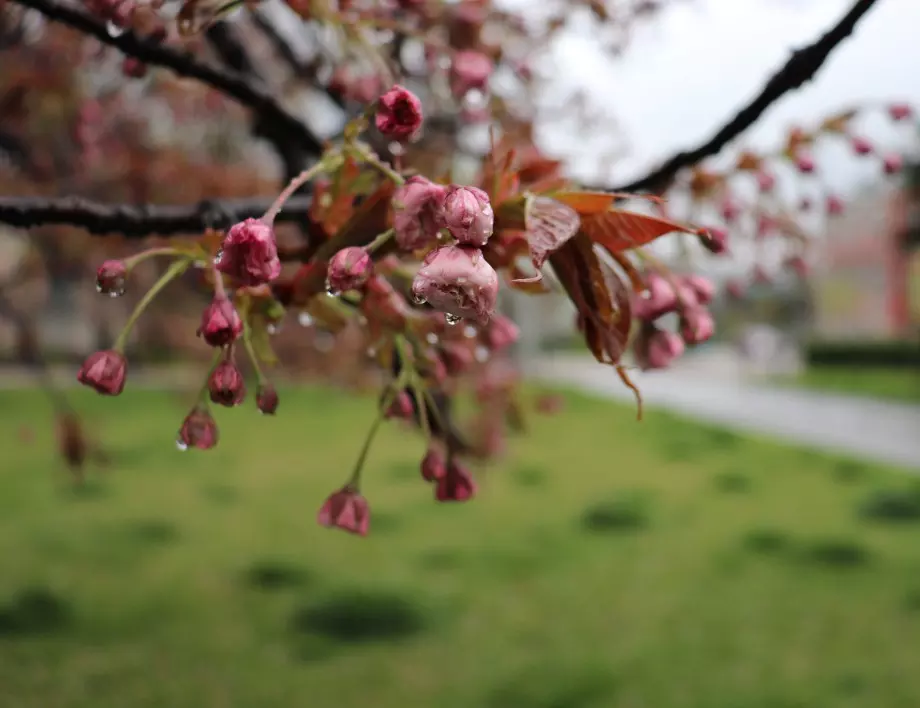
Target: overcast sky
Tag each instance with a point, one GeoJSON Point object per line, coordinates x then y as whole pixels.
{"type": "Point", "coordinates": [696, 64]}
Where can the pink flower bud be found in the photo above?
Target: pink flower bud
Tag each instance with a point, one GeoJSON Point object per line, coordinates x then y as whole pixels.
{"type": "Point", "coordinates": [433, 467]}
{"type": "Point", "coordinates": [702, 288]}
{"type": "Point", "coordinates": [105, 372]}
{"type": "Point", "coordinates": [861, 146]}
{"type": "Point", "coordinates": [401, 408]}
{"type": "Point", "coordinates": [383, 306]}
{"type": "Point", "coordinates": [267, 399]}
{"type": "Point", "coordinates": [765, 181]}
{"type": "Point", "coordinates": [734, 289]}
{"type": "Point", "coordinates": [469, 70]}
{"type": "Point", "coordinates": [456, 485]}
{"type": "Point", "coordinates": [458, 281]}
{"type": "Point", "coordinates": [892, 164]}
{"type": "Point", "coordinates": [730, 210]}
{"type": "Point", "coordinates": [834, 205]}
{"type": "Point", "coordinates": [220, 322]}
{"type": "Point", "coordinates": [805, 164]}
{"type": "Point", "coordinates": [416, 212]}
{"type": "Point", "coordinates": [657, 348]}
{"type": "Point", "coordinates": [399, 113]}
{"type": "Point", "coordinates": [900, 111]}
{"type": "Point", "coordinates": [226, 385]}
{"type": "Point", "coordinates": [199, 430]}
{"type": "Point", "coordinates": [110, 278]}
{"type": "Point", "coordinates": [696, 325]}
{"type": "Point", "coordinates": [660, 300]}
{"type": "Point", "coordinates": [714, 239]}
{"type": "Point", "coordinates": [249, 253]}
{"type": "Point", "coordinates": [468, 215]}
{"type": "Point", "coordinates": [502, 333]}
{"type": "Point", "coordinates": [346, 509]}
{"type": "Point", "coordinates": [348, 269]}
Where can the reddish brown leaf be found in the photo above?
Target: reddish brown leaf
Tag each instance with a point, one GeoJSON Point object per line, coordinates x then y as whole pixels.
{"type": "Point", "coordinates": [586, 203]}
{"type": "Point", "coordinates": [635, 277]}
{"type": "Point", "coordinates": [618, 230]}
{"type": "Point", "coordinates": [340, 207]}
{"type": "Point", "coordinates": [599, 295]}
{"type": "Point", "coordinates": [549, 225]}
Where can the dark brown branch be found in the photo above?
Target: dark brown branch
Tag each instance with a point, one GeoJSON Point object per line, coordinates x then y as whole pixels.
{"type": "Point", "coordinates": [140, 221]}
{"type": "Point", "coordinates": [801, 68]}
{"type": "Point", "coordinates": [285, 127]}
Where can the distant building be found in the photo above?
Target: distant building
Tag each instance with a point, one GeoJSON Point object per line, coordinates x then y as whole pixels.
{"type": "Point", "coordinates": [867, 283]}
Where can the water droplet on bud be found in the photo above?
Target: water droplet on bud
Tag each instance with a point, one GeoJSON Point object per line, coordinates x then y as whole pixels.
{"type": "Point", "coordinates": [418, 299]}
{"type": "Point", "coordinates": [452, 319]}
{"type": "Point", "coordinates": [304, 319]}
{"type": "Point", "coordinates": [331, 291]}
{"type": "Point", "coordinates": [114, 30]}
{"type": "Point", "coordinates": [219, 257]}
{"type": "Point", "coordinates": [180, 445]}
{"type": "Point", "coordinates": [431, 338]}
{"type": "Point", "coordinates": [116, 293]}
{"type": "Point", "coordinates": [481, 354]}
{"type": "Point", "coordinates": [272, 328]}
{"type": "Point", "coordinates": [98, 288]}
{"type": "Point", "coordinates": [470, 331]}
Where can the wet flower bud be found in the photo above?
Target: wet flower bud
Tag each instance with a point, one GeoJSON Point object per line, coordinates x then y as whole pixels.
{"type": "Point", "coordinates": [220, 322]}
{"type": "Point", "coordinates": [456, 485]}
{"type": "Point", "coordinates": [249, 253]}
{"type": "Point", "coordinates": [458, 281]}
{"type": "Point", "coordinates": [433, 467]}
{"type": "Point", "coordinates": [892, 164]}
{"type": "Point", "coordinates": [345, 509]}
{"type": "Point", "coordinates": [469, 70]}
{"type": "Point", "coordinates": [267, 399]}
{"type": "Point", "coordinates": [348, 269]}
{"type": "Point", "coordinates": [416, 212]}
{"type": "Point", "coordinates": [696, 325]}
{"type": "Point", "coordinates": [226, 385]}
{"type": "Point", "coordinates": [714, 239]}
{"type": "Point", "coordinates": [468, 215]}
{"type": "Point", "coordinates": [110, 278]}
{"type": "Point", "coordinates": [105, 372]}
{"type": "Point", "coordinates": [399, 113]}
{"type": "Point", "coordinates": [861, 146]}
{"type": "Point", "coordinates": [660, 300]}
{"type": "Point", "coordinates": [657, 348]}
{"type": "Point", "coordinates": [199, 430]}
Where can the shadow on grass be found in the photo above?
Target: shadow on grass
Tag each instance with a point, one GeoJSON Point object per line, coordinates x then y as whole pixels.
{"type": "Point", "coordinates": [269, 575]}
{"type": "Point", "coordinates": [220, 494]}
{"type": "Point", "coordinates": [835, 553]}
{"type": "Point", "coordinates": [732, 482]}
{"type": "Point", "coordinates": [34, 611]}
{"type": "Point", "coordinates": [151, 532]}
{"type": "Point", "coordinates": [849, 471]}
{"type": "Point", "coordinates": [629, 513]}
{"type": "Point", "coordinates": [357, 617]}
{"type": "Point", "coordinates": [530, 476]}
{"type": "Point", "coordinates": [892, 506]}
{"type": "Point", "coordinates": [767, 541]}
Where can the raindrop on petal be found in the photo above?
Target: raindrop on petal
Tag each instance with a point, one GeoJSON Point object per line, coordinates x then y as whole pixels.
{"type": "Point", "coordinates": [181, 445]}
{"type": "Point", "coordinates": [452, 319]}
{"type": "Point", "coordinates": [114, 30]}
{"type": "Point", "coordinates": [418, 299]}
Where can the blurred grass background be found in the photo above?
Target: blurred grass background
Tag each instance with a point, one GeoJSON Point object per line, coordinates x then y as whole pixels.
{"type": "Point", "coordinates": [604, 563]}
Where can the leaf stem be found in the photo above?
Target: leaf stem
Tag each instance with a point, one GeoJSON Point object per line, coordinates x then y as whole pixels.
{"type": "Point", "coordinates": [172, 272]}
{"type": "Point", "coordinates": [292, 187]}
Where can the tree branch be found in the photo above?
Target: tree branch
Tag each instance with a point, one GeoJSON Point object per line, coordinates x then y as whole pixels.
{"type": "Point", "coordinates": [285, 127]}
{"type": "Point", "coordinates": [801, 68]}
{"type": "Point", "coordinates": [141, 221]}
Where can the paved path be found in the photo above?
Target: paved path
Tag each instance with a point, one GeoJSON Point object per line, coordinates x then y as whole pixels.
{"type": "Point", "coordinates": [876, 430]}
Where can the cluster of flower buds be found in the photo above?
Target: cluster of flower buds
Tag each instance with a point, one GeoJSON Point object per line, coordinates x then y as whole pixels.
{"type": "Point", "coordinates": [687, 296]}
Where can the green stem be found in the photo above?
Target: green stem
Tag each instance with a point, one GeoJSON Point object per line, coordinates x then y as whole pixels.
{"type": "Point", "coordinates": [355, 478]}
{"type": "Point", "coordinates": [132, 261]}
{"type": "Point", "coordinates": [292, 187]}
{"type": "Point", "coordinates": [379, 240]}
{"type": "Point", "coordinates": [202, 398]}
{"type": "Point", "coordinates": [374, 161]}
{"type": "Point", "coordinates": [251, 353]}
{"type": "Point", "coordinates": [172, 272]}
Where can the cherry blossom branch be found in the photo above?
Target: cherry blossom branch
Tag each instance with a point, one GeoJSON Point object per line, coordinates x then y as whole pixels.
{"type": "Point", "coordinates": [284, 126]}
{"type": "Point", "coordinates": [798, 70]}
{"type": "Point", "coordinates": [141, 221]}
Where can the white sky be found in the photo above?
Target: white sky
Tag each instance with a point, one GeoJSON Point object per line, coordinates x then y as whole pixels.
{"type": "Point", "coordinates": [695, 65]}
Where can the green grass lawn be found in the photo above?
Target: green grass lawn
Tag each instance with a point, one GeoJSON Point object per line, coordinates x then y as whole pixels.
{"type": "Point", "coordinates": [605, 563]}
{"type": "Point", "coordinates": [892, 384]}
